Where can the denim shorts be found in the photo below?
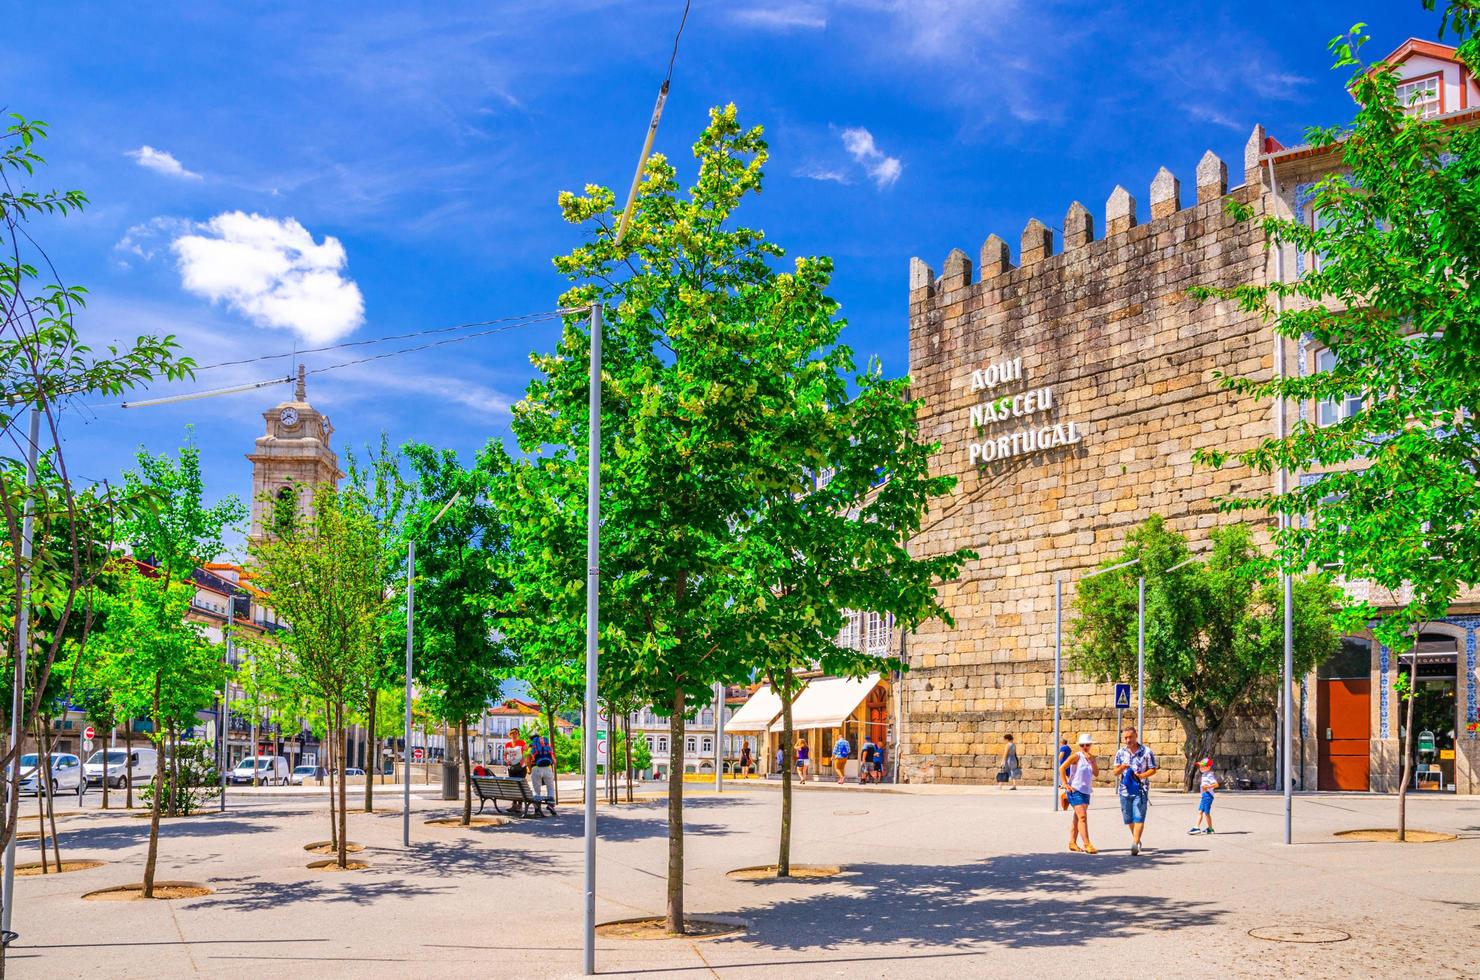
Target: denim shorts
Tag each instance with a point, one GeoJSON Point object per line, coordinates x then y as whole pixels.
{"type": "Point", "coordinates": [1205, 805]}
{"type": "Point", "coordinates": [1133, 808]}
{"type": "Point", "coordinates": [1077, 798]}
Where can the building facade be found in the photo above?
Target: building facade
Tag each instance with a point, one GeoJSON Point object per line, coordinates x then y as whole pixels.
{"type": "Point", "coordinates": [1068, 392]}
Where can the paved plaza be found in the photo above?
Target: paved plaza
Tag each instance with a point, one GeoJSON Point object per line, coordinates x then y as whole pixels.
{"type": "Point", "coordinates": [972, 882]}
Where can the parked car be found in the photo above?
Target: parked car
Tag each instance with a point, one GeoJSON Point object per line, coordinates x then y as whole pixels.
{"type": "Point", "coordinates": [271, 770]}
{"type": "Point", "coordinates": [301, 773]}
{"type": "Point", "coordinates": [66, 774]}
{"type": "Point", "coordinates": [136, 766]}
{"type": "Point", "coordinates": [352, 771]}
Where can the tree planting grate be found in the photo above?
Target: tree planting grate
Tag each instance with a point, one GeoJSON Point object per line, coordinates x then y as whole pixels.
{"type": "Point", "coordinates": [1299, 934]}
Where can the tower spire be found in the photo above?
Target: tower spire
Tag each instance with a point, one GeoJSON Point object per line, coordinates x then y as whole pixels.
{"type": "Point", "coordinates": [300, 390]}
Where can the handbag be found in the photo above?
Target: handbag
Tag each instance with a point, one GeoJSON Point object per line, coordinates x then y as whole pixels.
{"type": "Point", "coordinates": [1002, 776]}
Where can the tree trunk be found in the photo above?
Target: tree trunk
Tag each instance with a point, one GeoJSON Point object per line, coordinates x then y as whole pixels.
{"type": "Point", "coordinates": [788, 766]}
{"type": "Point", "coordinates": [627, 747]}
{"type": "Point", "coordinates": [51, 800]}
{"type": "Point", "coordinates": [153, 854]}
{"type": "Point", "coordinates": [467, 816]}
{"type": "Point", "coordinates": [173, 738]}
{"type": "Point", "coordinates": [550, 728]}
{"type": "Point", "coordinates": [343, 797]}
{"type": "Point", "coordinates": [1407, 767]}
{"type": "Point", "coordinates": [128, 768]}
{"type": "Point", "coordinates": [1196, 744]}
{"type": "Point", "coordinates": [375, 751]}
{"type": "Point", "coordinates": [675, 813]}
{"type": "Point", "coordinates": [42, 773]}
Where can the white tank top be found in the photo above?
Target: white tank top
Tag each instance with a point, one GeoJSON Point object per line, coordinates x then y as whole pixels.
{"type": "Point", "coordinates": [1081, 777]}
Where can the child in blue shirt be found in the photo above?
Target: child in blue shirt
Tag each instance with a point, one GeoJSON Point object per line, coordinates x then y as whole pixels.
{"type": "Point", "coordinates": [1208, 782]}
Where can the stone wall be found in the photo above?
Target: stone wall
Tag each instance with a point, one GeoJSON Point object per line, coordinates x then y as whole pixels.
{"type": "Point", "coordinates": [1129, 360]}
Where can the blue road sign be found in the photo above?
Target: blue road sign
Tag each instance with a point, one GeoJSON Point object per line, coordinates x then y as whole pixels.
{"type": "Point", "coordinates": [1122, 696]}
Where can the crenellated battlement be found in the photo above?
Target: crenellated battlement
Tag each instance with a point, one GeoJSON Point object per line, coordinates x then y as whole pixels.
{"type": "Point", "coordinates": [1036, 244]}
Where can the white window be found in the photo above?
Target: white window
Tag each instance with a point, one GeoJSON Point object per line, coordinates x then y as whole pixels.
{"type": "Point", "coordinates": [1420, 97]}
{"type": "Point", "coordinates": [689, 744]}
{"type": "Point", "coordinates": [849, 637]}
{"type": "Point", "coordinates": [1332, 410]}
{"type": "Point", "coordinates": [706, 718]}
{"type": "Point", "coordinates": [878, 632]}
{"type": "Point", "coordinates": [663, 744]}
{"type": "Point", "coordinates": [649, 739]}
{"type": "Point", "coordinates": [708, 746]}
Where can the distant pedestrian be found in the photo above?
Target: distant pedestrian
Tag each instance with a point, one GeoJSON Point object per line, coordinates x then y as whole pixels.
{"type": "Point", "coordinates": [746, 763]}
{"type": "Point", "coordinates": [1208, 783]}
{"type": "Point", "coordinates": [1078, 775]}
{"type": "Point", "coordinates": [868, 762]}
{"type": "Point", "coordinates": [1135, 764]}
{"type": "Point", "coordinates": [542, 772]}
{"type": "Point", "coordinates": [780, 760]}
{"type": "Point", "coordinates": [840, 753]}
{"type": "Point", "coordinates": [803, 752]}
{"type": "Point", "coordinates": [1011, 768]}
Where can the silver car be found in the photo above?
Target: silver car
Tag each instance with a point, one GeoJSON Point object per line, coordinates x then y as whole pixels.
{"type": "Point", "coordinates": [66, 774]}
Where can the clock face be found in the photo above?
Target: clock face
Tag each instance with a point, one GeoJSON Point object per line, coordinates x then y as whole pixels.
{"type": "Point", "coordinates": [289, 417]}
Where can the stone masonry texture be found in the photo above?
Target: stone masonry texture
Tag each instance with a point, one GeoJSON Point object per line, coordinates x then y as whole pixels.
{"type": "Point", "coordinates": [1131, 360]}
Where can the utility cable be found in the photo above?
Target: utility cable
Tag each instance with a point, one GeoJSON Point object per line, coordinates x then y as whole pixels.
{"type": "Point", "coordinates": [652, 131]}
{"type": "Point", "coordinates": [534, 317]}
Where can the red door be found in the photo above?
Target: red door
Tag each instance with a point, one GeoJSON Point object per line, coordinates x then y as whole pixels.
{"type": "Point", "coordinates": [1344, 717]}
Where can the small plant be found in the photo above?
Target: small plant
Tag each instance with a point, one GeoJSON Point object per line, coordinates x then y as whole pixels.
{"type": "Point", "coordinates": [199, 781]}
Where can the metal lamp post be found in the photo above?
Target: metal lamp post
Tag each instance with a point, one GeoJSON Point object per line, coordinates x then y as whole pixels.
{"type": "Point", "coordinates": [410, 622]}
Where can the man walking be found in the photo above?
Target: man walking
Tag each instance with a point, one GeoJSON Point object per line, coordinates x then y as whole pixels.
{"type": "Point", "coordinates": [840, 753]}
{"type": "Point", "coordinates": [1135, 764]}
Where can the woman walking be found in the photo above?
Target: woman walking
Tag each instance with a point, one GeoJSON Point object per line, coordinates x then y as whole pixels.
{"type": "Point", "coordinates": [1011, 768]}
{"type": "Point", "coordinates": [1078, 773]}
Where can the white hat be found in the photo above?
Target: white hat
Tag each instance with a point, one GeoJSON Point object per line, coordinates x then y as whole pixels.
{"type": "Point", "coordinates": [1085, 738]}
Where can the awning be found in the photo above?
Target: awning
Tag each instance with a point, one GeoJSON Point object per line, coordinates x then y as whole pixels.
{"type": "Point", "coordinates": [828, 701]}
{"type": "Point", "coordinates": [754, 715]}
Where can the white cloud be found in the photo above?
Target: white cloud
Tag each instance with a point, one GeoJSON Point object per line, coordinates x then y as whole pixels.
{"type": "Point", "coordinates": [824, 173]}
{"type": "Point", "coordinates": [781, 17]}
{"type": "Point", "coordinates": [272, 272]}
{"type": "Point", "coordinates": [162, 162]}
{"type": "Point", "coordinates": [882, 168]}
{"type": "Point", "coordinates": [1210, 115]}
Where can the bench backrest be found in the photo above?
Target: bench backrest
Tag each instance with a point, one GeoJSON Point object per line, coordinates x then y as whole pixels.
{"type": "Point", "coordinates": [501, 787]}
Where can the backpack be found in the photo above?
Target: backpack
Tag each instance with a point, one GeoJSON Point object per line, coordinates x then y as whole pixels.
{"type": "Point", "coordinates": [539, 747]}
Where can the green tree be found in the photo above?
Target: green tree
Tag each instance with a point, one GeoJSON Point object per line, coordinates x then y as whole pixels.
{"type": "Point", "coordinates": [159, 666]}
{"type": "Point", "coordinates": [829, 533]}
{"type": "Point", "coordinates": [1394, 498]}
{"type": "Point", "coordinates": [325, 575]}
{"type": "Point", "coordinates": [462, 657]}
{"type": "Point", "coordinates": [45, 364]}
{"type": "Point", "coordinates": [387, 496]}
{"type": "Point", "coordinates": [700, 369]}
{"type": "Point", "coordinates": [1214, 628]}
{"type": "Point", "coordinates": [174, 534]}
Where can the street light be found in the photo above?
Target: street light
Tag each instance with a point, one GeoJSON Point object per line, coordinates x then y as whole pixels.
{"type": "Point", "coordinates": [1058, 657]}
{"type": "Point", "coordinates": [410, 618]}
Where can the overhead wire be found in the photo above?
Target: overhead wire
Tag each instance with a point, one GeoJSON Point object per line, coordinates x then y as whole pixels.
{"type": "Point", "coordinates": [505, 324]}
{"type": "Point", "coordinates": [536, 317]}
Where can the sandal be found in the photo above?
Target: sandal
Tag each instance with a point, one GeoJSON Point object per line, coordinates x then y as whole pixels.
{"type": "Point", "coordinates": [1091, 849]}
{"type": "Point", "coordinates": [1074, 847]}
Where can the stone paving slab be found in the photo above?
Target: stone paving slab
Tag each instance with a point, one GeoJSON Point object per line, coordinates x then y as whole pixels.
{"type": "Point", "coordinates": [977, 884]}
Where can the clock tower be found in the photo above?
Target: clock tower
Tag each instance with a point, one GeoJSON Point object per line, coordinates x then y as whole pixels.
{"type": "Point", "coordinates": [292, 458]}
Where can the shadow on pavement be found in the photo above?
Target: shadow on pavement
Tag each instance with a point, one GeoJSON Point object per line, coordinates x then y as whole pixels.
{"type": "Point", "coordinates": [990, 902]}
{"type": "Point", "coordinates": [117, 836]}
{"type": "Point", "coordinates": [250, 894]}
{"type": "Point", "coordinates": [456, 858]}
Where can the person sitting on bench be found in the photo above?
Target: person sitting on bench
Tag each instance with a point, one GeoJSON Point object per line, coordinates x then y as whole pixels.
{"type": "Point", "coordinates": [519, 769]}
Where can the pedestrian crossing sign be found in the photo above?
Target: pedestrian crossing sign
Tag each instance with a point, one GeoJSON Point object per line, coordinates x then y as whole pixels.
{"type": "Point", "coordinates": [1122, 697]}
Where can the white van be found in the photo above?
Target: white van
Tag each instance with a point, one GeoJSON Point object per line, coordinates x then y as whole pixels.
{"type": "Point", "coordinates": [137, 766]}
{"type": "Point", "coordinates": [271, 770]}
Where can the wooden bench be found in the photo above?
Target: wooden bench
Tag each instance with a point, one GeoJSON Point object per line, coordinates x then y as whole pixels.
{"type": "Point", "coordinates": [513, 791]}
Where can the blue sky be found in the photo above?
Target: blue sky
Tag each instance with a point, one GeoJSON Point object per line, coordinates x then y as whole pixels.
{"type": "Point", "coordinates": [269, 174]}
